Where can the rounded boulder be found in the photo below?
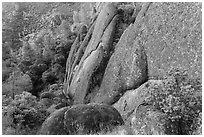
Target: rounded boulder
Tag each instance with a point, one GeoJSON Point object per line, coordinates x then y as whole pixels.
{"type": "Point", "coordinates": [82, 119]}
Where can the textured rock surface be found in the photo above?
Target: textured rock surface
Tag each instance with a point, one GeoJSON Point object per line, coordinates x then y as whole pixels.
{"type": "Point", "coordinates": [74, 57]}
{"type": "Point", "coordinates": [74, 48]}
{"type": "Point", "coordinates": [82, 119]}
{"type": "Point", "coordinates": [133, 98]}
{"type": "Point", "coordinates": [91, 118]}
{"type": "Point", "coordinates": [127, 69]}
{"type": "Point", "coordinates": [147, 121]}
{"type": "Point", "coordinates": [95, 53]}
{"type": "Point", "coordinates": [54, 124]}
{"type": "Point", "coordinates": [174, 37]}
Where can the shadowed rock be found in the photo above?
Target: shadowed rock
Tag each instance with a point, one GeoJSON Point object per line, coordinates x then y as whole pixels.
{"type": "Point", "coordinates": [54, 124]}
{"type": "Point", "coordinates": [91, 118]}
{"type": "Point", "coordinates": [82, 119]}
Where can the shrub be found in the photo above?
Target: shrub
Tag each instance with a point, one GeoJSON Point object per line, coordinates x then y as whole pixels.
{"type": "Point", "coordinates": [49, 77]}
{"type": "Point", "coordinates": [6, 70]}
{"type": "Point", "coordinates": [181, 100]}
{"type": "Point", "coordinates": [17, 83]}
{"type": "Point", "coordinates": [23, 115]}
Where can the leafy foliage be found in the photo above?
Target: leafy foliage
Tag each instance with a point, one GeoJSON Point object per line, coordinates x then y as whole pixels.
{"type": "Point", "coordinates": [37, 40]}
{"type": "Point", "coordinates": [5, 70]}
{"type": "Point", "coordinates": [23, 115]}
{"type": "Point", "coordinates": [180, 99]}
{"type": "Point", "coordinates": [16, 84]}
{"type": "Point", "coordinates": [49, 77]}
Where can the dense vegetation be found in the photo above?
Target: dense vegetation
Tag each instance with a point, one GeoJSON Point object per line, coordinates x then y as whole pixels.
{"type": "Point", "coordinates": [35, 45]}
{"type": "Point", "coordinates": [181, 100]}
{"type": "Point", "coordinates": [36, 40]}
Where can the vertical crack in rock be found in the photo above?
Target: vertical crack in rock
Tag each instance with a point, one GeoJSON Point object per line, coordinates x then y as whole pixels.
{"type": "Point", "coordinates": [95, 53]}
{"type": "Point", "coordinates": [127, 67]}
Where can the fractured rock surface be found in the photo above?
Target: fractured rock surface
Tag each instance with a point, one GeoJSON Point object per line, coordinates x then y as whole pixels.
{"type": "Point", "coordinates": [127, 69]}
{"type": "Point", "coordinates": [95, 53]}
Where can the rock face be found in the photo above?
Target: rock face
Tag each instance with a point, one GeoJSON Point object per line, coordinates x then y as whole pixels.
{"type": "Point", "coordinates": [174, 38]}
{"type": "Point", "coordinates": [127, 69]}
{"type": "Point", "coordinates": [97, 51]}
{"type": "Point", "coordinates": [164, 35]}
{"type": "Point", "coordinates": [131, 100]}
{"type": "Point", "coordinates": [82, 119]}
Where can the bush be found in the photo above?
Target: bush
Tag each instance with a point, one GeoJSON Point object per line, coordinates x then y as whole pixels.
{"type": "Point", "coordinates": [181, 100]}
{"type": "Point", "coordinates": [49, 77]}
{"type": "Point", "coordinates": [6, 70]}
{"type": "Point", "coordinates": [23, 115]}
{"type": "Point", "coordinates": [17, 83]}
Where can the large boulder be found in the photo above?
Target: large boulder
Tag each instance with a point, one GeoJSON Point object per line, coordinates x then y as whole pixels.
{"type": "Point", "coordinates": [91, 118]}
{"type": "Point", "coordinates": [140, 117]}
{"type": "Point", "coordinates": [54, 124]}
{"type": "Point", "coordinates": [148, 121]}
{"type": "Point", "coordinates": [132, 99]}
{"type": "Point", "coordinates": [82, 119]}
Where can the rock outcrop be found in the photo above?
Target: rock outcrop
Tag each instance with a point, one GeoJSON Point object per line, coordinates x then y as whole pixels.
{"type": "Point", "coordinates": [174, 38]}
{"type": "Point", "coordinates": [97, 51]}
{"type": "Point", "coordinates": [82, 119]}
{"type": "Point", "coordinates": [143, 118]}
{"type": "Point", "coordinates": [161, 36]}
{"type": "Point", "coordinates": [127, 67]}
{"type": "Point", "coordinates": [132, 99]}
